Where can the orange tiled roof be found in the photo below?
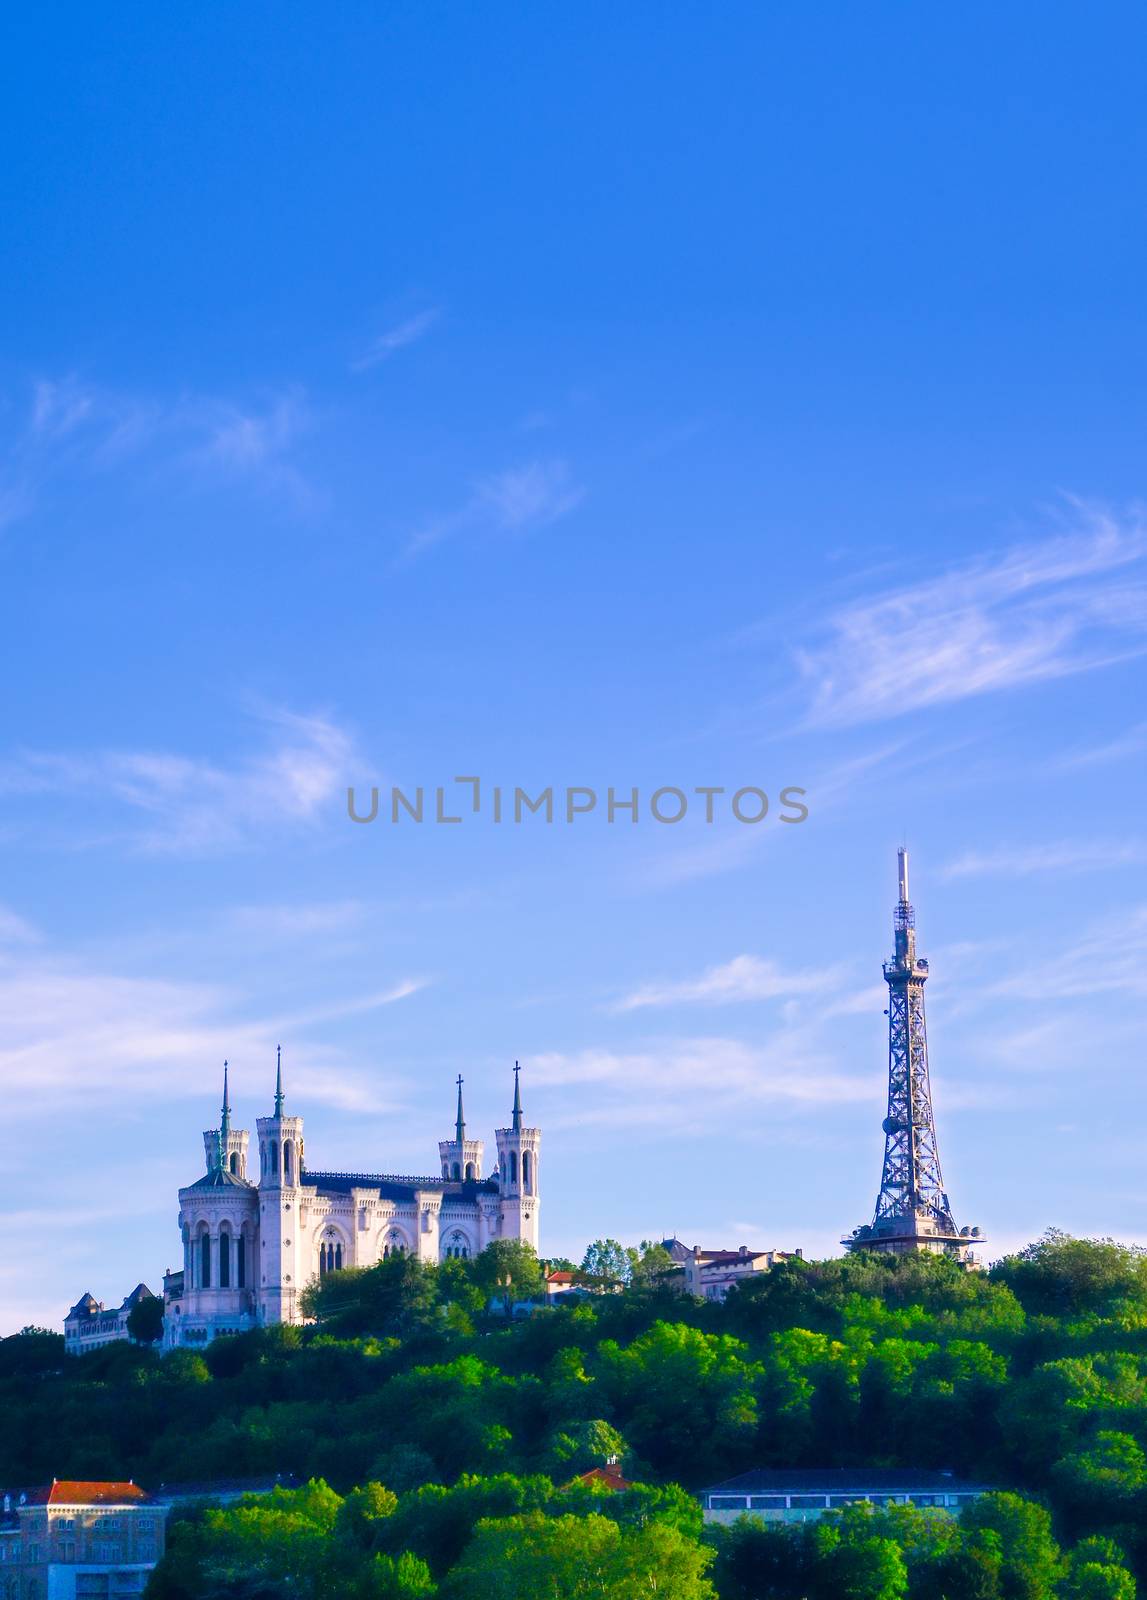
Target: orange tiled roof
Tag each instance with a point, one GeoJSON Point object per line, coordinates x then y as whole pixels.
{"type": "Point", "coordinates": [607, 1477]}
{"type": "Point", "coordinates": [76, 1492]}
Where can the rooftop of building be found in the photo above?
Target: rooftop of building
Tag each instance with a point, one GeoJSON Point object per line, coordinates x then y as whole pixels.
{"type": "Point", "coordinates": [84, 1492]}
{"type": "Point", "coordinates": [844, 1480]}
{"type": "Point", "coordinates": [88, 1306]}
{"type": "Point", "coordinates": [604, 1477]}
{"type": "Point", "coordinates": [220, 1178]}
{"type": "Point", "coordinates": [397, 1186]}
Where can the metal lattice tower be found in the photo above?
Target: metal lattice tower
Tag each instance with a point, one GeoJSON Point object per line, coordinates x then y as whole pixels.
{"type": "Point", "coordinates": [912, 1209]}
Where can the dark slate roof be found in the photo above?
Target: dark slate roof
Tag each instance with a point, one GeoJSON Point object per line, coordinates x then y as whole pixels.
{"type": "Point", "coordinates": [396, 1187]}
{"type": "Point", "coordinates": [843, 1480]}
{"type": "Point", "coordinates": [86, 1306]}
{"type": "Point", "coordinates": [220, 1178]}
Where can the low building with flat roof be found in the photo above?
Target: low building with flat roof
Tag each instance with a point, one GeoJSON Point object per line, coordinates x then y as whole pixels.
{"type": "Point", "coordinates": [802, 1494]}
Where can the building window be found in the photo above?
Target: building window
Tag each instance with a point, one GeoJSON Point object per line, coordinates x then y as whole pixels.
{"type": "Point", "coordinates": [241, 1261]}
{"type": "Point", "coordinates": [513, 1166]}
{"type": "Point", "coordinates": [457, 1172]}
{"type": "Point", "coordinates": [224, 1260]}
{"type": "Point", "coordinates": [527, 1171]}
{"type": "Point", "coordinates": [728, 1502]}
{"type": "Point", "coordinates": [288, 1161]}
{"type": "Point", "coordinates": [766, 1502]}
{"type": "Point", "coordinates": [205, 1260]}
{"type": "Point", "coordinates": [469, 1171]}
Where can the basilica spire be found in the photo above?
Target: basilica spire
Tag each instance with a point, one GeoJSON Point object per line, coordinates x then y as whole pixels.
{"type": "Point", "coordinates": [225, 1118]}
{"type": "Point", "coordinates": [516, 1124]}
{"type": "Point", "coordinates": [278, 1080]}
{"type": "Point", "coordinates": [460, 1126]}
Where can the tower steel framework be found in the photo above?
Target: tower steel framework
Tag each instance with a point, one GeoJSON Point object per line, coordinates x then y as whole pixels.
{"type": "Point", "coordinates": [913, 1212]}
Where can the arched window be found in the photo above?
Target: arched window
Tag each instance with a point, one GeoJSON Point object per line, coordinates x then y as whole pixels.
{"type": "Point", "coordinates": [235, 1162]}
{"type": "Point", "coordinates": [513, 1166]}
{"type": "Point", "coordinates": [458, 1246]}
{"type": "Point", "coordinates": [395, 1245]}
{"type": "Point", "coordinates": [274, 1156]}
{"type": "Point", "coordinates": [446, 1169]}
{"type": "Point", "coordinates": [338, 1257]}
{"type": "Point", "coordinates": [224, 1260]}
{"type": "Point", "coordinates": [205, 1260]}
{"type": "Point", "coordinates": [457, 1172]}
{"type": "Point", "coordinates": [527, 1166]}
{"type": "Point", "coordinates": [241, 1261]}
{"type": "Point", "coordinates": [288, 1161]}
{"type": "Point", "coordinates": [469, 1171]}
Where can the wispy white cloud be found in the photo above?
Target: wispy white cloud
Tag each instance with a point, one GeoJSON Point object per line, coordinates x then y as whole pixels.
{"type": "Point", "coordinates": [1068, 855]}
{"type": "Point", "coordinates": [251, 440]}
{"type": "Point", "coordinates": [191, 804]}
{"type": "Point", "coordinates": [74, 1035]}
{"type": "Point", "coordinates": [14, 929]}
{"type": "Point", "coordinates": [657, 1086]}
{"type": "Point", "coordinates": [1068, 605]}
{"type": "Point", "coordinates": [71, 426]}
{"type": "Point", "coordinates": [517, 500]}
{"type": "Point", "coordinates": [396, 338]}
{"type": "Point", "coordinates": [1110, 958]}
{"type": "Point", "coordinates": [1131, 743]}
{"type": "Point", "coordinates": [530, 496]}
{"type": "Point", "coordinates": [744, 978]}
{"type": "Point", "coordinates": [302, 921]}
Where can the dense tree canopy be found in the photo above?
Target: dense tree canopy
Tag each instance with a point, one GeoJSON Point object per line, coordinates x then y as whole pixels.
{"type": "Point", "coordinates": [428, 1419]}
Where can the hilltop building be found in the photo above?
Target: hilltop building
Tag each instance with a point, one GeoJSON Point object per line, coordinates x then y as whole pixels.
{"type": "Point", "coordinates": [97, 1540]}
{"type": "Point", "coordinates": [710, 1274]}
{"type": "Point", "coordinates": [251, 1246]}
{"type": "Point", "coordinates": [800, 1494]}
{"type": "Point", "coordinates": [90, 1324]}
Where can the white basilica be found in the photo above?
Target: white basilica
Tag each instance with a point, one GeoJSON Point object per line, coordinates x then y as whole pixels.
{"type": "Point", "coordinates": [250, 1248]}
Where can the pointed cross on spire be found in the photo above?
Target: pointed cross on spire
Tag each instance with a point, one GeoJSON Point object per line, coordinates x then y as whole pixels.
{"type": "Point", "coordinates": [224, 1126]}
{"type": "Point", "coordinates": [278, 1080]}
{"type": "Point", "coordinates": [516, 1124]}
{"type": "Point", "coordinates": [460, 1127]}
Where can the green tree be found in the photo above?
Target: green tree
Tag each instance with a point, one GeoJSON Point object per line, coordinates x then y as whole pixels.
{"type": "Point", "coordinates": [650, 1267]}
{"type": "Point", "coordinates": [523, 1557]}
{"type": "Point", "coordinates": [509, 1270]}
{"type": "Point", "coordinates": [1030, 1563]}
{"type": "Point", "coordinates": [145, 1320]}
{"type": "Point", "coordinates": [608, 1263]}
{"type": "Point", "coordinates": [395, 1298]}
{"type": "Point", "coordinates": [1063, 1276]}
{"type": "Point", "coordinates": [863, 1568]}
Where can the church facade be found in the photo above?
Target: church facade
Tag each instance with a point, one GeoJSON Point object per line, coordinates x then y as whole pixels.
{"type": "Point", "coordinates": [252, 1245]}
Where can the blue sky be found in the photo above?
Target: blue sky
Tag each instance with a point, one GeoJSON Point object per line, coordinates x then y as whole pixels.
{"type": "Point", "coordinates": [663, 396]}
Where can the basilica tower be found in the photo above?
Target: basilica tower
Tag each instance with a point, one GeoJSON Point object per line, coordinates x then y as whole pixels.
{"type": "Point", "coordinates": [518, 1187]}
{"type": "Point", "coordinates": [225, 1146]}
{"type": "Point", "coordinates": [461, 1158]}
{"type": "Point", "coordinates": [282, 1255]}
